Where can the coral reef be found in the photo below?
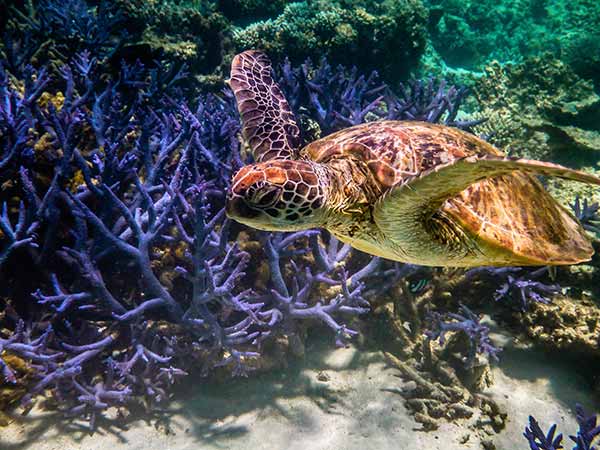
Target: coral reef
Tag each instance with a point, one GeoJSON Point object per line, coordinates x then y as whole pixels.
{"type": "Point", "coordinates": [566, 324]}
{"type": "Point", "coordinates": [360, 33]}
{"type": "Point", "coordinates": [246, 11]}
{"type": "Point", "coordinates": [519, 287]}
{"type": "Point", "coordinates": [467, 323]}
{"type": "Point", "coordinates": [17, 374]}
{"type": "Point", "coordinates": [47, 32]}
{"type": "Point", "coordinates": [206, 34]}
{"type": "Point", "coordinates": [102, 174]}
{"type": "Point", "coordinates": [113, 168]}
{"type": "Point", "coordinates": [539, 309]}
{"type": "Point", "coordinates": [539, 101]}
{"type": "Point", "coordinates": [194, 32]}
{"type": "Point", "coordinates": [541, 109]}
{"type": "Point", "coordinates": [335, 98]}
{"type": "Point", "coordinates": [124, 184]}
{"type": "Point", "coordinates": [587, 213]}
{"type": "Point", "coordinates": [443, 357]}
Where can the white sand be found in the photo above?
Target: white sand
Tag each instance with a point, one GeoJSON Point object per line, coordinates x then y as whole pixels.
{"type": "Point", "coordinates": [293, 410]}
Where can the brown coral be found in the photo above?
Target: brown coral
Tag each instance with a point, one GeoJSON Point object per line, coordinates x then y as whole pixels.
{"type": "Point", "coordinates": [565, 325]}
{"type": "Point", "coordinates": [11, 393]}
{"type": "Point", "coordinates": [438, 385]}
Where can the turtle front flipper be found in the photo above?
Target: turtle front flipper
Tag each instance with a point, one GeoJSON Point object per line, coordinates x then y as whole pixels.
{"type": "Point", "coordinates": [415, 216]}
{"type": "Point", "coordinates": [268, 124]}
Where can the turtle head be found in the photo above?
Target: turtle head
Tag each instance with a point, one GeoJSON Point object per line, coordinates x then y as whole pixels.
{"type": "Point", "coordinates": [278, 195]}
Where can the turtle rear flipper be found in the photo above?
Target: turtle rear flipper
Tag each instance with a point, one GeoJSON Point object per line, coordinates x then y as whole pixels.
{"type": "Point", "coordinates": [268, 124]}
{"type": "Point", "coordinates": [537, 232]}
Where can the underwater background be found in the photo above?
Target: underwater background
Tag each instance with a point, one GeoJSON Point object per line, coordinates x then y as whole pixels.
{"type": "Point", "coordinates": [134, 313]}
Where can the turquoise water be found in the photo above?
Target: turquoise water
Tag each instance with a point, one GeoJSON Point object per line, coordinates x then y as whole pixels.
{"type": "Point", "coordinates": [177, 272]}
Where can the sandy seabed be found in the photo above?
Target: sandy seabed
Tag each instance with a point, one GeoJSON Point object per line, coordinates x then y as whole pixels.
{"type": "Point", "coordinates": [334, 399]}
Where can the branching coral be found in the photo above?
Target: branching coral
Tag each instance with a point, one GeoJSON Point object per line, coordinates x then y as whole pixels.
{"type": "Point", "coordinates": [584, 439]}
{"type": "Point", "coordinates": [468, 323]}
{"type": "Point", "coordinates": [112, 185]}
{"type": "Point", "coordinates": [48, 31]}
{"type": "Point", "coordinates": [431, 101]}
{"type": "Point", "coordinates": [589, 430]}
{"type": "Point", "coordinates": [337, 98]}
{"type": "Point", "coordinates": [128, 177]}
{"type": "Point", "coordinates": [17, 235]}
{"type": "Point", "coordinates": [520, 289]}
{"type": "Point", "coordinates": [587, 213]}
{"type": "Point", "coordinates": [125, 171]}
{"type": "Point", "coordinates": [540, 441]}
{"type": "Point", "coordinates": [293, 302]}
{"type": "Point", "coordinates": [442, 379]}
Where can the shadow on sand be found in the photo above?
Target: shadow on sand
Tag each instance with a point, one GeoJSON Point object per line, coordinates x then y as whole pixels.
{"type": "Point", "coordinates": [207, 407]}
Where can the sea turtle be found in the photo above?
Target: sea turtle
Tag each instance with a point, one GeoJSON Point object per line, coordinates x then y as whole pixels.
{"type": "Point", "coordinates": [408, 191]}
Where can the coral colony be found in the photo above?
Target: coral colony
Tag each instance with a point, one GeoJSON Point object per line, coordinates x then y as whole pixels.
{"type": "Point", "coordinates": [584, 439]}
{"type": "Point", "coordinates": [518, 286]}
{"type": "Point", "coordinates": [121, 273]}
{"type": "Point", "coordinates": [468, 323]}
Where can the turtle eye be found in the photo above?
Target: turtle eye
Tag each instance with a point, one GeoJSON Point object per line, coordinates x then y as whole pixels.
{"type": "Point", "coordinates": [267, 196]}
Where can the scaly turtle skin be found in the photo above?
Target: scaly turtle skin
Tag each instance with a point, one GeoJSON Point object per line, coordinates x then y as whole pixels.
{"type": "Point", "coordinates": [407, 191]}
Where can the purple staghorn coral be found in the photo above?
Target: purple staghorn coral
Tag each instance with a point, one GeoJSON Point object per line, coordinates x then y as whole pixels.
{"type": "Point", "coordinates": [137, 188]}
{"type": "Point", "coordinates": [585, 438]}
{"type": "Point", "coordinates": [34, 349]}
{"type": "Point", "coordinates": [467, 322]}
{"type": "Point", "coordinates": [429, 101]}
{"type": "Point", "coordinates": [55, 31]}
{"type": "Point", "coordinates": [338, 98]}
{"type": "Point", "coordinates": [587, 213]}
{"type": "Point", "coordinates": [589, 430]}
{"type": "Point", "coordinates": [114, 213]}
{"type": "Point", "coordinates": [518, 286]}
{"type": "Point", "coordinates": [540, 441]}
{"type": "Point", "coordinates": [16, 235]}
{"type": "Point", "coordinates": [292, 302]}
